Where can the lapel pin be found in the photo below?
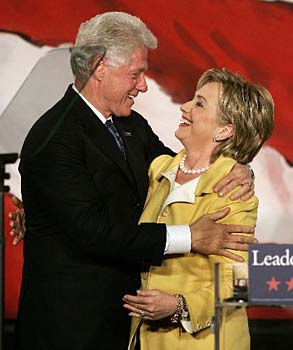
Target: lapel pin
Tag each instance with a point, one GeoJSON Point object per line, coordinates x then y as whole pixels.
{"type": "Point", "coordinates": [127, 133]}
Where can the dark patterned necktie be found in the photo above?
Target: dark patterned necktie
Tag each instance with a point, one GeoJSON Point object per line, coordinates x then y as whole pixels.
{"type": "Point", "coordinates": [114, 132]}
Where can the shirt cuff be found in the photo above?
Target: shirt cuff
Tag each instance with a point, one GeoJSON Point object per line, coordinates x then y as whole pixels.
{"type": "Point", "coordinates": [187, 325]}
{"type": "Point", "coordinates": [178, 240]}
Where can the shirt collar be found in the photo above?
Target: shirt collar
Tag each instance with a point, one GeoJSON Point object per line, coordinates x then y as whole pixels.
{"type": "Point", "coordinates": [182, 193]}
{"type": "Point", "coordinates": [170, 174]}
{"type": "Point", "coordinates": [94, 109]}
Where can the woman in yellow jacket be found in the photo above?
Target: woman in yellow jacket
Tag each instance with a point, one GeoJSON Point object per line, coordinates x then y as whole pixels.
{"type": "Point", "coordinates": [227, 121]}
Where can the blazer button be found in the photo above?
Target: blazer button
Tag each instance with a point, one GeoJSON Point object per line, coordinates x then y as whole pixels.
{"type": "Point", "coordinates": [199, 326]}
{"type": "Point", "coordinates": [137, 205]}
{"type": "Point", "coordinates": [208, 323]}
{"type": "Point", "coordinates": [166, 212]}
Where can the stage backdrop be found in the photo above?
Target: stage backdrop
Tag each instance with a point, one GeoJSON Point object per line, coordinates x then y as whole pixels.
{"type": "Point", "coordinates": [252, 37]}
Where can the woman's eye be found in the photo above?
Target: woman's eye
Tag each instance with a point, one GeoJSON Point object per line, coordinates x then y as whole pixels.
{"type": "Point", "coordinates": [199, 103]}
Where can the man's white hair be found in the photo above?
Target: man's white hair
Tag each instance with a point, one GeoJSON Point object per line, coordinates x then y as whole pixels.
{"type": "Point", "coordinates": [114, 35]}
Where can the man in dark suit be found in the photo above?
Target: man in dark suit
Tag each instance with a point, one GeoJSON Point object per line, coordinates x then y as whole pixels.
{"type": "Point", "coordinates": [84, 184]}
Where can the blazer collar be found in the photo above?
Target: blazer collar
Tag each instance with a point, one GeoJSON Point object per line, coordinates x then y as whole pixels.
{"type": "Point", "coordinates": [220, 168]}
{"type": "Point", "coordinates": [208, 180]}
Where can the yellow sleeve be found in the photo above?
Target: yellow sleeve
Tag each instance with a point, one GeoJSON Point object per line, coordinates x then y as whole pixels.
{"type": "Point", "coordinates": [201, 301]}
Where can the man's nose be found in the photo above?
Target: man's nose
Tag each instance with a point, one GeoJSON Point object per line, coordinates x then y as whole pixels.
{"type": "Point", "coordinates": [142, 85]}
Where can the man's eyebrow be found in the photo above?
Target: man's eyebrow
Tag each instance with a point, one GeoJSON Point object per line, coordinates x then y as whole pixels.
{"type": "Point", "coordinates": [139, 70]}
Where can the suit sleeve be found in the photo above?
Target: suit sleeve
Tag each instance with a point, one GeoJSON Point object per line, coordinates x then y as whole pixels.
{"type": "Point", "coordinates": [201, 301]}
{"type": "Point", "coordinates": [98, 222]}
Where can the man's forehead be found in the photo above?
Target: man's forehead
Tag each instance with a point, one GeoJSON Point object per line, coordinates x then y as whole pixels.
{"type": "Point", "coordinates": [139, 59]}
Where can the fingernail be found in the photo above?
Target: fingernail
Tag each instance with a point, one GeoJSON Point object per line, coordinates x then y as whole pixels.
{"type": "Point", "coordinates": [221, 194]}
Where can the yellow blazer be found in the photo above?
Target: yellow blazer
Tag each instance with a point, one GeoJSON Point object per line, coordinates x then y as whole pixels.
{"type": "Point", "coordinates": [193, 274]}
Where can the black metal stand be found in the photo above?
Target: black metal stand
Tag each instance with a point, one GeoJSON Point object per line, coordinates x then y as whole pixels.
{"type": "Point", "coordinates": [218, 310]}
{"type": "Point", "coordinates": [4, 159]}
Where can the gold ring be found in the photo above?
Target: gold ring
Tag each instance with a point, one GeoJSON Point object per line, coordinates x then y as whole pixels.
{"type": "Point", "coordinates": [246, 183]}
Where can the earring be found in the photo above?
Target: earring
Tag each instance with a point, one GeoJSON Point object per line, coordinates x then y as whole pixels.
{"type": "Point", "coordinates": [215, 138]}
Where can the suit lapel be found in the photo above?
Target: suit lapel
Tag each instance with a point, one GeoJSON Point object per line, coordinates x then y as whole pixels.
{"type": "Point", "coordinates": [135, 159]}
{"type": "Point", "coordinates": [135, 167]}
{"type": "Point", "coordinates": [100, 136]}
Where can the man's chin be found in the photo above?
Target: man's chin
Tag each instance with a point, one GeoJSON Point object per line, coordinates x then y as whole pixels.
{"type": "Point", "coordinates": [125, 113]}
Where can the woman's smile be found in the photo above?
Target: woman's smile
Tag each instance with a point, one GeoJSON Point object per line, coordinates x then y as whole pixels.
{"type": "Point", "coordinates": [184, 122]}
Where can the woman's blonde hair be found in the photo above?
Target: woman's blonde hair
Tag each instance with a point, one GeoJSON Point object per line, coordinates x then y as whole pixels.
{"type": "Point", "coordinates": [248, 107]}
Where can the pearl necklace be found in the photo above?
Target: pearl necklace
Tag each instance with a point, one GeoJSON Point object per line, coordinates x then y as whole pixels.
{"type": "Point", "coordinates": [190, 171]}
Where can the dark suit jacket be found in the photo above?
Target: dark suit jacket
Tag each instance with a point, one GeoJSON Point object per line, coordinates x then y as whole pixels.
{"type": "Point", "coordinates": [83, 248]}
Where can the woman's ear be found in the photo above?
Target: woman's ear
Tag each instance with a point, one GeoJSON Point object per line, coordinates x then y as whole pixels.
{"type": "Point", "coordinates": [225, 132]}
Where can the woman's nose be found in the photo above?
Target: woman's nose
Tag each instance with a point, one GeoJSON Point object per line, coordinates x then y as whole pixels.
{"type": "Point", "coordinates": [186, 107]}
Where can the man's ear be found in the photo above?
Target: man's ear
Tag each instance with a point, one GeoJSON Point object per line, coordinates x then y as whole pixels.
{"type": "Point", "coordinates": [98, 67]}
{"type": "Point", "coordinates": [225, 132]}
